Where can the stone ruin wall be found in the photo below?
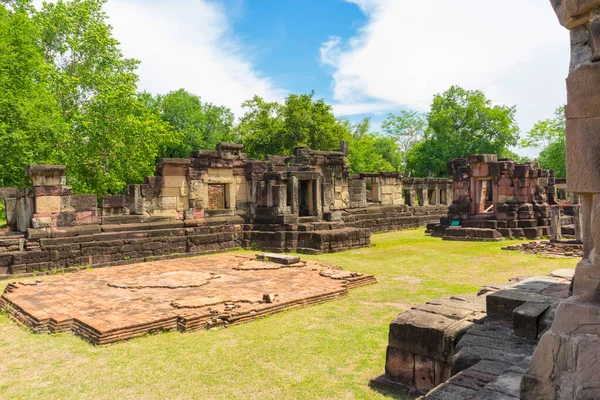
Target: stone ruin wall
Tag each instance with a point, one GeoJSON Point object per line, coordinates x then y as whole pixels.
{"type": "Point", "coordinates": [214, 201]}
{"type": "Point", "coordinates": [496, 198]}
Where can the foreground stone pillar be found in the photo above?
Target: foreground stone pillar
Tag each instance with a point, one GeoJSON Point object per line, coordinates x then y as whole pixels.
{"type": "Point", "coordinates": [566, 363]}
{"type": "Point", "coordinates": [578, 222]}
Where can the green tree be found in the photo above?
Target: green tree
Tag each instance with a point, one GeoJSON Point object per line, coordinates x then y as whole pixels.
{"type": "Point", "coordinates": [549, 136]}
{"type": "Point", "coordinates": [201, 125]}
{"type": "Point", "coordinates": [407, 128]}
{"type": "Point", "coordinates": [261, 128]}
{"type": "Point", "coordinates": [32, 129]}
{"type": "Point", "coordinates": [371, 152]}
{"type": "Point", "coordinates": [462, 122]}
{"type": "Point", "coordinates": [311, 123]}
{"type": "Point", "coordinates": [114, 137]}
{"type": "Point", "coordinates": [273, 128]}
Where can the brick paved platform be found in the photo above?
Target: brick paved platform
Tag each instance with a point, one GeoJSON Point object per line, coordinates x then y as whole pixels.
{"type": "Point", "coordinates": [117, 303]}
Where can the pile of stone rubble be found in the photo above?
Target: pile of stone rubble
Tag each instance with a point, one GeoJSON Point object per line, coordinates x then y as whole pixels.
{"type": "Point", "coordinates": [549, 249]}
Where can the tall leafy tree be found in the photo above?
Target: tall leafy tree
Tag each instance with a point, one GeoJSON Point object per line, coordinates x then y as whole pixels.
{"type": "Point", "coordinates": [200, 125]}
{"type": "Point", "coordinates": [407, 128]}
{"type": "Point", "coordinates": [549, 136]}
{"type": "Point", "coordinates": [371, 151]}
{"type": "Point", "coordinates": [32, 129]}
{"type": "Point", "coordinates": [273, 128]}
{"type": "Point", "coordinates": [261, 128]}
{"type": "Point", "coordinates": [310, 122]}
{"type": "Point", "coordinates": [115, 139]}
{"type": "Point", "coordinates": [462, 122]}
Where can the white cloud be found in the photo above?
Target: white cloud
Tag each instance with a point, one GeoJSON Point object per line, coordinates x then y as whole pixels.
{"type": "Point", "coordinates": [513, 50]}
{"type": "Point", "coordinates": [188, 44]}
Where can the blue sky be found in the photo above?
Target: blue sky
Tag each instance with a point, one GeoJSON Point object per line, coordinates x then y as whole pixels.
{"type": "Point", "coordinates": [365, 57]}
{"type": "Point", "coordinates": [285, 37]}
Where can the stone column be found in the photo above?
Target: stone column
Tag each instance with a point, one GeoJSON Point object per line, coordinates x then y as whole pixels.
{"type": "Point", "coordinates": [578, 222]}
{"type": "Point", "coordinates": [555, 223]}
{"type": "Point", "coordinates": [424, 197]}
{"type": "Point", "coordinates": [565, 364]}
{"type": "Point", "coordinates": [436, 196]}
{"type": "Point", "coordinates": [318, 197]}
{"type": "Point", "coordinates": [412, 198]}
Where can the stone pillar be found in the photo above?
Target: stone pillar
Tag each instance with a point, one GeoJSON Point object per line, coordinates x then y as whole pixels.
{"type": "Point", "coordinates": [436, 196]}
{"type": "Point", "coordinates": [319, 197]}
{"type": "Point", "coordinates": [412, 198]}
{"type": "Point", "coordinates": [578, 222]}
{"type": "Point", "coordinates": [270, 185]}
{"type": "Point", "coordinates": [292, 194]}
{"type": "Point", "coordinates": [555, 223]}
{"type": "Point", "coordinates": [424, 197]}
{"type": "Point", "coordinates": [565, 364]}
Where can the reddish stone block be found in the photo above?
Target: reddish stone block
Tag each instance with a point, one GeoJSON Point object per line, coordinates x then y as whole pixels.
{"type": "Point", "coordinates": [400, 366]}
{"type": "Point", "coordinates": [424, 373]}
{"type": "Point", "coordinates": [86, 217]}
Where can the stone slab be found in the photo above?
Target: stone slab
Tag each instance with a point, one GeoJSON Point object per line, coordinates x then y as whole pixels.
{"type": "Point", "coordinates": [278, 258]}
{"type": "Point", "coordinates": [501, 304]}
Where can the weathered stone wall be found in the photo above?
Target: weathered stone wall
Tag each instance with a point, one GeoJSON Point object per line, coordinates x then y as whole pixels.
{"type": "Point", "coordinates": [213, 201]}
{"type": "Point", "coordinates": [495, 198]}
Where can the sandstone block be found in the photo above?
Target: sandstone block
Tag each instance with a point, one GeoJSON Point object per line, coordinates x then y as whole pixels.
{"type": "Point", "coordinates": [583, 155]}
{"type": "Point", "coordinates": [582, 96]}
{"type": "Point", "coordinates": [174, 181]}
{"type": "Point", "coordinates": [400, 366]}
{"type": "Point", "coordinates": [526, 318]}
{"type": "Point", "coordinates": [47, 204]}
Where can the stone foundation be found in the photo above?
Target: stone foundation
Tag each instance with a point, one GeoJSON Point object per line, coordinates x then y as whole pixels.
{"type": "Point", "coordinates": [472, 346]}
{"type": "Point", "coordinates": [198, 293]}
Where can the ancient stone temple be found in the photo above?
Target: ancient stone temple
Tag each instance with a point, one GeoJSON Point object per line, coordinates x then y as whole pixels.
{"type": "Point", "coordinates": [213, 201]}
{"type": "Point", "coordinates": [566, 363]}
{"type": "Point", "coordinates": [497, 197]}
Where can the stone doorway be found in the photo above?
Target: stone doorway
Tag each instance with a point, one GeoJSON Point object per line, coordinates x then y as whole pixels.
{"type": "Point", "coordinates": [306, 198]}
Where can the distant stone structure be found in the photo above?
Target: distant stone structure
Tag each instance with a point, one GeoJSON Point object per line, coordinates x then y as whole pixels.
{"type": "Point", "coordinates": [213, 201]}
{"type": "Point", "coordinates": [497, 198]}
{"type": "Point", "coordinates": [566, 362]}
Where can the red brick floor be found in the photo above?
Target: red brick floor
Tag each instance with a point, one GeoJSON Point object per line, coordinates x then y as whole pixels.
{"type": "Point", "coordinates": [110, 304]}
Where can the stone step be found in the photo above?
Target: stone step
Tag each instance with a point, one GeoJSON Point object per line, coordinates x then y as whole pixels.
{"type": "Point", "coordinates": [306, 220]}
{"type": "Point", "coordinates": [501, 304]}
{"type": "Point", "coordinates": [472, 234]}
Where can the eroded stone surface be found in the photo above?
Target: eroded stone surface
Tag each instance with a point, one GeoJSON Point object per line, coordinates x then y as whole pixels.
{"type": "Point", "coordinates": [106, 305]}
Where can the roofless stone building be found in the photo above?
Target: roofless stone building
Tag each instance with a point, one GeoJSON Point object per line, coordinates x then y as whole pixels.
{"type": "Point", "coordinates": [213, 201]}
{"type": "Point", "coordinates": [497, 198]}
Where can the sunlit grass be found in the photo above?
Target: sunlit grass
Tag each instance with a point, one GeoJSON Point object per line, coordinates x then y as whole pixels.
{"type": "Point", "coordinates": [325, 351]}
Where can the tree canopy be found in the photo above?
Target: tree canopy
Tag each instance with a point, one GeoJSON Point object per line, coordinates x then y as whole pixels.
{"type": "Point", "coordinates": [549, 136]}
{"type": "Point", "coordinates": [69, 95]}
{"type": "Point", "coordinates": [269, 128]}
{"type": "Point", "coordinates": [31, 125]}
{"type": "Point", "coordinates": [198, 125]}
{"type": "Point", "coordinates": [462, 122]}
{"type": "Point", "coordinates": [407, 129]}
{"type": "Point", "coordinates": [370, 151]}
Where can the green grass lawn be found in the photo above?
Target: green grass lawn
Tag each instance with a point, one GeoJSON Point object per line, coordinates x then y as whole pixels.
{"type": "Point", "coordinates": [325, 351]}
